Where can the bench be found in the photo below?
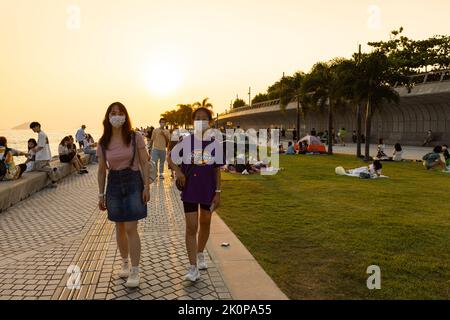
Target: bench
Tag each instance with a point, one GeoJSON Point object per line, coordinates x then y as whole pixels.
{"type": "Point", "coordinates": [12, 192]}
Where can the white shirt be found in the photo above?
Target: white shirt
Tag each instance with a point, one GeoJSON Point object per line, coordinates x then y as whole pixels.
{"type": "Point", "coordinates": [80, 135]}
{"type": "Point", "coordinates": [63, 150]}
{"type": "Point", "coordinates": [372, 170]}
{"type": "Point", "coordinates": [45, 153]}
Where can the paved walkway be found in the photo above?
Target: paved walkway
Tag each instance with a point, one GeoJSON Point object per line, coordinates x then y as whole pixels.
{"type": "Point", "coordinates": [43, 235]}
{"type": "Point", "coordinates": [409, 152]}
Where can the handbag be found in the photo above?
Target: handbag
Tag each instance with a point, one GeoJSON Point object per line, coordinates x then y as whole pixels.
{"type": "Point", "coordinates": [152, 165]}
{"type": "Point", "coordinates": [152, 171]}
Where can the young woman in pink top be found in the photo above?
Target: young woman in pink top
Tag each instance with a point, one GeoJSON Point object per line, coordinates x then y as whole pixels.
{"type": "Point", "coordinates": [122, 153]}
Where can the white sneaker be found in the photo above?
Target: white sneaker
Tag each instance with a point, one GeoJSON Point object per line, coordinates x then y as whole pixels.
{"type": "Point", "coordinates": [201, 261]}
{"type": "Point", "coordinates": [125, 271]}
{"type": "Point", "coordinates": [193, 274]}
{"type": "Point", "coordinates": [133, 280]}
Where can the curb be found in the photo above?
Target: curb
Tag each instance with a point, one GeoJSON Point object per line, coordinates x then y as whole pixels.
{"type": "Point", "coordinates": [243, 275]}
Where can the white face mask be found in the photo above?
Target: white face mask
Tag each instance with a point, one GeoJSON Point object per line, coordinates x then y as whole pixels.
{"type": "Point", "coordinates": [117, 121]}
{"type": "Point", "coordinates": [201, 124]}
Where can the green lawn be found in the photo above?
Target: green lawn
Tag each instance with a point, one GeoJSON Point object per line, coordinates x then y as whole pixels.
{"type": "Point", "coordinates": [316, 233]}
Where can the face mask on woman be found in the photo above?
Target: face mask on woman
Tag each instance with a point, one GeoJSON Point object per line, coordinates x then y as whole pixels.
{"type": "Point", "coordinates": [202, 124]}
{"type": "Point", "coordinates": [117, 121]}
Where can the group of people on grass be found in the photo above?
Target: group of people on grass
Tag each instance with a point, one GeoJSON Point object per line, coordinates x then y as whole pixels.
{"type": "Point", "coordinates": [431, 160]}
{"type": "Point", "coordinates": [300, 147]}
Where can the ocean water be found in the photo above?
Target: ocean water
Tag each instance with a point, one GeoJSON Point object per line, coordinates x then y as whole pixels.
{"type": "Point", "coordinates": [18, 139]}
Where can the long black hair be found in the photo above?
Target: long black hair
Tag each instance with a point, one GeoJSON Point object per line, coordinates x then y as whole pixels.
{"type": "Point", "coordinates": [437, 149]}
{"type": "Point", "coordinates": [33, 141]}
{"type": "Point", "coordinates": [377, 165]}
{"type": "Point", "coordinates": [107, 127]}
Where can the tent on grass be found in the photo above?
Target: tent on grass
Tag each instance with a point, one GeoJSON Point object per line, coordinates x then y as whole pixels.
{"type": "Point", "coordinates": [314, 144]}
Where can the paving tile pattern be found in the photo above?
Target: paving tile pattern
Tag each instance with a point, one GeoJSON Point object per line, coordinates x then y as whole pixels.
{"type": "Point", "coordinates": [44, 236]}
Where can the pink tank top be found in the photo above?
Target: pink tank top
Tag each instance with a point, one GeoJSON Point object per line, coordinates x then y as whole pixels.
{"type": "Point", "coordinates": [119, 155]}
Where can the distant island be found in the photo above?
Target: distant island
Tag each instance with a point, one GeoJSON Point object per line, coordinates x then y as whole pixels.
{"type": "Point", "coordinates": [23, 126]}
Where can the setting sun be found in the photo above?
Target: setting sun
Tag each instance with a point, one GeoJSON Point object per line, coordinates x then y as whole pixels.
{"type": "Point", "coordinates": [163, 78]}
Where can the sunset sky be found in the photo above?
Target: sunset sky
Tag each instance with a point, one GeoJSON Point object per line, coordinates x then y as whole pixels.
{"type": "Point", "coordinates": [153, 54]}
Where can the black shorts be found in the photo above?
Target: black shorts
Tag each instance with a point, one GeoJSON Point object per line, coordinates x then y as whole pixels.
{"type": "Point", "coordinates": [66, 158]}
{"type": "Point", "coordinates": [193, 207]}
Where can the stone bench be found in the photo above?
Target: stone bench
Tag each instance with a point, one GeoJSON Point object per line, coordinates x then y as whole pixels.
{"type": "Point", "coordinates": [12, 192]}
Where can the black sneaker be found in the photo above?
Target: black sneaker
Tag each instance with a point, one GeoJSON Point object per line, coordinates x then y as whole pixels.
{"type": "Point", "coordinates": [53, 185]}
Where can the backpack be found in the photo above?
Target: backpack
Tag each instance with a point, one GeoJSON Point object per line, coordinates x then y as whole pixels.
{"type": "Point", "coordinates": [425, 157]}
{"type": "Point", "coordinates": [3, 166]}
{"type": "Point", "coordinates": [364, 175]}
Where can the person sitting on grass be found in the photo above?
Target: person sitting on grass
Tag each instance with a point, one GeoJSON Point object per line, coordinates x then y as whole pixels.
{"type": "Point", "coordinates": [303, 147]}
{"type": "Point", "coordinates": [8, 169]}
{"type": "Point", "coordinates": [398, 153]}
{"type": "Point", "coordinates": [446, 155]}
{"type": "Point", "coordinates": [433, 159]}
{"type": "Point", "coordinates": [68, 155]}
{"type": "Point", "coordinates": [381, 155]}
{"type": "Point", "coordinates": [290, 148]}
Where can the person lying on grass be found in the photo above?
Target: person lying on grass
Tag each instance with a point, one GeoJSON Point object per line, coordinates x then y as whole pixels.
{"type": "Point", "coordinates": [372, 171]}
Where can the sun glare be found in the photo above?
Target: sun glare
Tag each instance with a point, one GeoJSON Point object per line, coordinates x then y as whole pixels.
{"type": "Point", "coordinates": [163, 78]}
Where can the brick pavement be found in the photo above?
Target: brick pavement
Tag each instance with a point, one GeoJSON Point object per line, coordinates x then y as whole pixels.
{"type": "Point", "coordinates": [56, 228]}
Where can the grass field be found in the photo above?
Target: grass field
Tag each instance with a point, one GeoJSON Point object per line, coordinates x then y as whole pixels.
{"type": "Point", "coordinates": [316, 233]}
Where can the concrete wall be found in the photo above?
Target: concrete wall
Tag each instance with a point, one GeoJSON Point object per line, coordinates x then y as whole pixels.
{"type": "Point", "coordinates": [12, 192]}
{"type": "Point", "coordinates": [426, 107]}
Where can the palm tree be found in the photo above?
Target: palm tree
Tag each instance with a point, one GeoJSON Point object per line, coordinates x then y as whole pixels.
{"type": "Point", "coordinates": [375, 76]}
{"type": "Point", "coordinates": [170, 117]}
{"type": "Point", "coordinates": [185, 114]}
{"type": "Point", "coordinates": [322, 87]}
{"type": "Point", "coordinates": [349, 72]}
{"type": "Point", "coordinates": [204, 104]}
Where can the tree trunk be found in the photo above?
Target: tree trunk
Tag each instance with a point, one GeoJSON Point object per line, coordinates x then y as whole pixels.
{"type": "Point", "coordinates": [298, 115]}
{"type": "Point", "coordinates": [368, 128]}
{"type": "Point", "coordinates": [330, 128]}
{"type": "Point", "coordinates": [358, 130]}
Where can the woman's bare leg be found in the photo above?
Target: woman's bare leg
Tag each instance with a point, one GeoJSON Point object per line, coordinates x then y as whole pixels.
{"type": "Point", "coordinates": [122, 239]}
{"type": "Point", "coordinates": [205, 226]}
{"type": "Point", "coordinates": [134, 242]}
{"type": "Point", "coordinates": [191, 236]}
{"type": "Point", "coordinates": [75, 163]}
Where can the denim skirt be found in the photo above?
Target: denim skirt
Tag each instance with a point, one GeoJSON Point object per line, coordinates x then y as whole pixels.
{"type": "Point", "coordinates": [124, 196]}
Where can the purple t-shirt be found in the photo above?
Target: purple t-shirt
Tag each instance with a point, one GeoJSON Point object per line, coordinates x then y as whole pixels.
{"type": "Point", "coordinates": [201, 182]}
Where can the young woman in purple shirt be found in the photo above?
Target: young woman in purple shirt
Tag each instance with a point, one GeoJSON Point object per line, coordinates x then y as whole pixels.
{"type": "Point", "coordinates": [199, 178]}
